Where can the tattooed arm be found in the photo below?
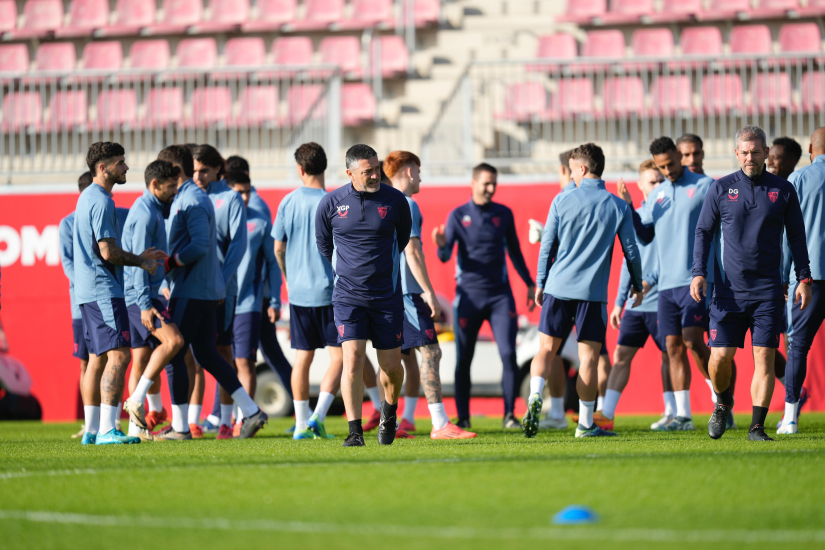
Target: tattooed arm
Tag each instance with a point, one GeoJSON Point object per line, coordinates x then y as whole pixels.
{"type": "Point", "coordinates": [148, 259]}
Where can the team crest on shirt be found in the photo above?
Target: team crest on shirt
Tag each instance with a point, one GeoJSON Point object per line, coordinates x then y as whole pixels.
{"type": "Point", "coordinates": [125, 334]}
{"type": "Point", "coordinates": [165, 314]}
{"type": "Point", "coordinates": [382, 211]}
{"type": "Point", "coordinates": [399, 335]}
{"type": "Point", "coordinates": [697, 318]}
{"type": "Point", "coordinates": [660, 197]}
{"type": "Point", "coordinates": [430, 333]}
{"type": "Point", "coordinates": [733, 194]}
{"type": "Point", "coordinates": [341, 330]}
{"type": "Point", "coordinates": [218, 204]}
{"type": "Point", "coordinates": [250, 226]}
{"type": "Point", "coordinates": [462, 321]}
{"type": "Point", "coordinates": [496, 221]}
{"type": "Point", "coordinates": [76, 348]}
{"type": "Point", "coordinates": [691, 192]}
{"type": "Point", "coordinates": [513, 315]}
{"type": "Point", "coordinates": [713, 334]}
{"type": "Point", "coordinates": [343, 210]}
{"type": "Point", "coordinates": [466, 221]}
{"type": "Point", "coordinates": [773, 195]}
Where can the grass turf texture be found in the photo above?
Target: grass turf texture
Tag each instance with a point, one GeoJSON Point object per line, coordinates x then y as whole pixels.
{"type": "Point", "coordinates": [652, 490]}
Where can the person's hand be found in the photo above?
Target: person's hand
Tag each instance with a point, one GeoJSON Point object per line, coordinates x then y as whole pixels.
{"type": "Point", "coordinates": [623, 193]}
{"type": "Point", "coordinates": [151, 256]}
{"type": "Point", "coordinates": [439, 238]}
{"type": "Point", "coordinates": [616, 317]}
{"type": "Point", "coordinates": [531, 301]}
{"type": "Point", "coordinates": [539, 297]}
{"type": "Point", "coordinates": [645, 288]}
{"type": "Point", "coordinates": [166, 292]}
{"type": "Point", "coordinates": [147, 318]}
{"type": "Point", "coordinates": [785, 291]}
{"type": "Point", "coordinates": [637, 296]}
{"type": "Point", "coordinates": [221, 301]}
{"type": "Point", "coordinates": [535, 231]}
{"type": "Point", "coordinates": [274, 314]}
{"type": "Point", "coordinates": [432, 302]}
{"type": "Point", "coordinates": [698, 288]}
{"type": "Point", "coordinates": [802, 295]}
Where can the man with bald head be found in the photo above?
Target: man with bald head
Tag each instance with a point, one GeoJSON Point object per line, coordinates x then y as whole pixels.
{"type": "Point", "coordinates": [809, 183]}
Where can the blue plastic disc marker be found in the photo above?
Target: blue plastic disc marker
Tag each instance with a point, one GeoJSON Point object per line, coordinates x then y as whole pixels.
{"type": "Point", "coordinates": [575, 515]}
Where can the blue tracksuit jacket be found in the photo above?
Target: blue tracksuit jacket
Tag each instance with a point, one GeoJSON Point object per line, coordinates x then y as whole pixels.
{"type": "Point", "coordinates": [230, 222]}
{"type": "Point", "coordinates": [65, 239]}
{"type": "Point", "coordinates": [144, 228]}
{"type": "Point", "coordinates": [750, 214]}
{"type": "Point", "coordinates": [809, 183]}
{"type": "Point", "coordinates": [258, 262]}
{"type": "Point", "coordinates": [363, 235]}
{"type": "Point", "coordinates": [650, 271]}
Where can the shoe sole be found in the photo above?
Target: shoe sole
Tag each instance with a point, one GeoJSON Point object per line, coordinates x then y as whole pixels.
{"type": "Point", "coordinates": [258, 427]}
{"type": "Point", "coordinates": [530, 422]}
{"type": "Point", "coordinates": [134, 418]}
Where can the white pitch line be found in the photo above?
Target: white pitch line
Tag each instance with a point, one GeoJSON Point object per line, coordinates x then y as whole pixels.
{"type": "Point", "coordinates": [425, 531]}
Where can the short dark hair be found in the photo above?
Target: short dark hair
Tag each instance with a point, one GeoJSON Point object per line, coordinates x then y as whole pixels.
{"type": "Point", "coordinates": [312, 158]}
{"type": "Point", "coordinates": [690, 138]}
{"type": "Point", "coordinates": [181, 155]}
{"type": "Point", "coordinates": [564, 158]}
{"type": "Point", "coordinates": [662, 145]}
{"type": "Point", "coordinates": [484, 167]}
{"type": "Point", "coordinates": [791, 148]}
{"type": "Point", "coordinates": [237, 164]}
{"type": "Point", "coordinates": [102, 151]}
{"type": "Point", "coordinates": [208, 155]}
{"type": "Point", "coordinates": [84, 181]}
{"type": "Point", "coordinates": [591, 155]}
{"type": "Point", "coordinates": [359, 152]}
{"type": "Point", "coordinates": [160, 170]}
{"type": "Point", "coordinates": [191, 147]}
{"type": "Point", "coordinates": [237, 177]}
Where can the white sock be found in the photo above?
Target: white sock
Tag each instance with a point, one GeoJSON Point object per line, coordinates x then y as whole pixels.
{"type": "Point", "coordinates": [611, 400]}
{"type": "Point", "coordinates": [670, 403]}
{"type": "Point", "coordinates": [791, 412]}
{"type": "Point", "coordinates": [155, 402]}
{"type": "Point", "coordinates": [245, 403]}
{"type": "Point", "coordinates": [536, 385]}
{"type": "Point", "coordinates": [238, 414]}
{"type": "Point", "coordinates": [134, 429]}
{"type": "Point", "coordinates": [116, 414]}
{"type": "Point", "coordinates": [195, 413]}
{"type": "Point", "coordinates": [325, 400]}
{"type": "Point", "coordinates": [712, 391]}
{"type": "Point", "coordinates": [92, 416]}
{"type": "Point", "coordinates": [374, 397]}
{"type": "Point", "coordinates": [599, 402]}
{"type": "Point", "coordinates": [214, 420]}
{"type": "Point", "coordinates": [301, 415]}
{"type": "Point", "coordinates": [180, 418]}
{"type": "Point", "coordinates": [107, 418]}
{"type": "Point", "coordinates": [226, 415]}
{"type": "Point", "coordinates": [409, 409]}
{"type": "Point", "coordinates": [439, 415]}
{"type": "Point", "coordinates": [682, 403]}
{"type": "Point", "coordinates": [142, 389]}
{"type": "Point", "coordinates": [586, 413]}
{"type": "Point", "coordinates": [557, 408]}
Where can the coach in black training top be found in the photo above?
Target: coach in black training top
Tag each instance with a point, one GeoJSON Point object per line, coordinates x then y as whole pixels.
{"type": "Point", "coordinates": [750, 208]}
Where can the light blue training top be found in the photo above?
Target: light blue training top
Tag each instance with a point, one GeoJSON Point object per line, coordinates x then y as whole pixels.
{"type": "Point", "coordinates": [96, 218]}
{"type": "Point", "coordinates": [650, 269]}
{"type": "Point", "coordinates": [65, 239]}
{"type": "Point", "coordinates": [144, 228]}
{"type": "Point", "coordinates": [809, 183]}
{"type": "Point", "coordinates": [230, 221]}
{"type": "Point", "coordinates": [258, 262]}
{"type": "Point", "coordinates": [408, 283]}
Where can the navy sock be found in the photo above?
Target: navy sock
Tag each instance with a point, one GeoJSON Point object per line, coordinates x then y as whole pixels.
{"type": "Point", "coordinates": [759, 415]}
{"type": "Point", "coordinates": [355, 427]}
{"type": "Point", "coordinates": [725, 398]}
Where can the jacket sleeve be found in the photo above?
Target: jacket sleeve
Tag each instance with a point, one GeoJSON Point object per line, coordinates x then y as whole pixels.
{"type": "Point", "coordinates": [624, 285]}
{"type": "Point", "coordinates": [644, 231]}
{"type": "Point", "coordinates": [273, 272]}
{"type": "Point", "coordinates": [323, 229]}
{"type": "Point", "coordinates": [404, 224]}
{"type": "Point", "coordinates": [64, 237]}
{"type": "Point", "coordinates": [549, 245]}
{"type": "Point", "coordinates": [514, 250]}
{"type": "Point", "coordinates": [795, 231]}
{"type": "Point", "coordinates": [627, 239]}
{"type": "Point", "coordinates": [706, 227]}
{"type": "Point", "coordinates": [197, 226]}
{"type": "Point", "coordinates": [445, 253]}
{"type": "Point", "coordinates": [140, 239]}
{"type": "Point", "coordinates": [237, 237]}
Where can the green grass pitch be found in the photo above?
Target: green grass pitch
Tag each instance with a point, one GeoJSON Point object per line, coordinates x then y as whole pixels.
{"type": "Point", "coordinates": [651, 490]}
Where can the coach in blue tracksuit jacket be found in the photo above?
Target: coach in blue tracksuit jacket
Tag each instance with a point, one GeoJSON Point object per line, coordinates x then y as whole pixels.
{"type": "Point", "coordinates": [484, 230]}
{"type": "Point", "coordinates": [750, 209]}
{"type": "Point", "coordinates": [362, 230]}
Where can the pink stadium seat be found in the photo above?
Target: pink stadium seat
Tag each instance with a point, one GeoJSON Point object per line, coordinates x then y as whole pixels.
{"type": "Point", "coordinates": [724, 10]}
{"type": "Point", "coordinates": [116, 108]}
{"type": "Point", "coordinates": [289, 51]}
{"type": "Point", "coordinates": [673, 11]}
{"type": "Point", "coordinates": [150, 54]}
{"type": "Point", "coordinates": [200, 53]}
{"type": "Point", "coordinates": [22, 111]}
{"type": "Point", "coordinates": [561, 47]}
{"type": "Point", "coordinates": [800, 37]}
{"type": "Point", "coordinates": [721, 93]}
{"type": "Point", "coordinates": [224, 16]}
{"type": "Point", "coordinates": [320, 14]}
{"type": "Point", "coordinates": [704, 41]}
{"type": "Point", "coordinates": [583, 11]}
{"type": "Point", "coordinates": [770, 92]}
{"type": "Point", "coordinates": [55, 56]}
{"type": "Point", "coordinates": [751, 39]}
{"type": "Point", "coordinates": [574, 97]}
{"type": "Point", "coordinates": [623, 96]}
{"type": "Point", "coordinates": [103, 55]}
{"type": "Point", "coordinates": [358, 105]}
{"type": "Point", "coordinates": [8, 15]}
{"type": "Point", "coordinates": [130, 17]}
{"type": "Point", "coordinates": [40, 18]}
{"type": "Point", "coordinates": [210, 106]}
{"type": "Point", "coordinates": [305, 101]}
{"type": "Point", "coordinates": [812, 91]}
{"type": "Point", "coordinates": [651, 43]}
{"type": "Point", "coordinates": [259, 106]}
{"type": "Point", "coordinates": [369, 13]}
{"type": "Point", "coordinates": [164, 107]}
{"type": "Point", "coordinates": [426, 12]}
{"type": "Point", "coordinates": [524, 102]}
{"type": "Point", "coordinates": [812, 9]}
{"type": "Point", "coordinates": [605, 44]}
{"type": "Point", "coordinates": [672, 95]}
{"type": "Point", "coordinates": [178, 15]}
{"type": "Point", "coordinates": [272, 15]}
{"type": "Point", "coordinates": [67, 109]}
{"type": "Point", "coordinates": [394, 56]}
{"type": "Point", "coordinates": [773, 9]}
{"type": "Point", "coordinates": [84, 17]}
{"type": "Point", "coordinates": [14, 58]}
{"type": "Point", "coordinates": [244, 51]}
{"type": "Point", "coordinates": [623, 12]}
{"type": "Point", "coordinates": [344, 51]}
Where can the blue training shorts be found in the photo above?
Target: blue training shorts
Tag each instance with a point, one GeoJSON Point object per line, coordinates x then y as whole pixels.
{"type": "Point", "coordinates": [312, 327]}
{"type": "Point", "coordinates": [637, 326]}
{"type": "Point", "coordinates": [558, 317]}
{"type": "Point", "coordinates": [731, 319]}
{"type": "Point", "coordinates": [246, 333]}
{"type": "Point", "coordinates": [225, 317]}
{"type": "Point", "coordinates": [384, 326]}
{"type": "Point", "coordinates": [140, 335]}
{"type": "Point", "coordinates": [79, 348]}
{"type": "Point", "coordinates": [106, 325]}
{"type": "Point", "coordinates": [419, 328]}
{"type": "Point", "coordinates": [678, 310]}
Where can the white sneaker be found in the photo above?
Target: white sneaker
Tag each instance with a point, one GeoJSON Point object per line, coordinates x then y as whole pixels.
{"type": "Point", "coordinates": [662, 422]}
{"type": "Point", "coordinates": [781, 420]}
{"type": "Point", "coordinates": [788, 429]}
{"type": "Point", "coordinates": [548, 423]}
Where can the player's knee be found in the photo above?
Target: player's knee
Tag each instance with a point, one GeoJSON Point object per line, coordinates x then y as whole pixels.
{"type": "Point", "coordinates": [176, 343]}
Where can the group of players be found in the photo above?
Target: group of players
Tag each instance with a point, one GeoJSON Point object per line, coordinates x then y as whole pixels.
{"type": "Point", "coordinates": [189, 278]}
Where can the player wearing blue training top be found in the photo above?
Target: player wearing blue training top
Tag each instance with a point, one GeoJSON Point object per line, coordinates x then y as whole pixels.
{"type": "Point", "coordinates": [362, 229]}
{"type": "Point", "coordinates": [750, 209]}
{"type": "Point", "coordinates": [65, 236]}
{"type": "Point", "coordinates": [197, 286]}
{"type": "Point", "coordinates": [149, 322]}
{"type": "Point", "coordinates": [573, 271]}
{"type": "Point", "coordinates": [802, 325]}
{"type": "Point", "coordinates": [98, 271]}
{"type": "Point", "coordinates": [485, 232]}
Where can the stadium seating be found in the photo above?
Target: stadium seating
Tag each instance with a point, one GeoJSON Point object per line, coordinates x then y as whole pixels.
{"type": "Point", "coordinates": [67, 110]}
{"type": "Point", "coordinates": [116, 109]}
{"type": "Point", "coordinates": [524, 102]}
{"type": "Point", "coordinates": [178, 15]}
{"type": "Point", "coordinates": [800, 38]}
{"type": "Point", "coordinates": [40, 18]}
{"type": "Point", "coordinates": [583, 11]}
{"type": "Point", "coordinates": [244, 51]}
{"type": "Point", "coordinates": [753, 39]}
{"type": "Point", "coordinates": [812, 91]}
{"type": "Point", "coordinates": [358, 105]}
{"type": "Point", "coordinates": [368, 13]}
{"type": "Point", "coordinates": [150, 54]}
{"type": "Point", "coordinates": [671, 96]}
{"type": "Point", "coordinates": [426, 12]}
{"type": "Point", "coordinates": [721, 94]}
{"type": "Point", "coordinates": [292, 50]}
{"type": "Point", "coordinates": [572, 98]}
{"type": "Point", "coordinates": [164, 107]}
{"type": "Point", "coordinates": [22, 112]}
{"type": "Point", "coordinates": [272, 15]}
{"type": "Point", "coordinates": [103, 55]}
{"type": "Point", "coordinates": [199, 53]}
{"type": "Point", "coordinates": [724, 10]}
{"type": "Point", "coordinates": [259, 107]}
{"type": "Point", "coordinates": [224, 16]}
{"type": "Point", "coordinates": [605, 44]}
{"type": "Point", "coordinates": [704, 41]}
{"type": "Point", "coordinates": [773, 9]}
{"type": "Point", "coordinates": [812, 8]}
{"type": "Point", "coordinates": [8, 15]}
{"type": "Point", "coordinates": [210, 106]}
{"type": "Point", "coordinates": [394, 56]}
{"type": "Point", "coordinates": [623, 96]}
{"type": "Point", "coordinates": [561, 47]}
{"type": "Point", "coordinates": [770, 92]}
{"type": "Point", "coordinates": [130, 17]}
{"type": "Point", "coordinates": [55, 56]}
{"type": "Point", "coordinates": [673, 11]}
{"type": "Point", "coordinates": [343, 51]}
{"type": "Point", "coordinates": [304, 101]}
{"type": "Point", "coordinates": [84, 17]}
{"type": "Point", "coordinates": [320, 14]}
{"type": "Point", "coordinates": [651, 43]}
{"type": "Point", "coordinates": [622, 12]}
{"type": "Point", "coordinates": [14, 58]}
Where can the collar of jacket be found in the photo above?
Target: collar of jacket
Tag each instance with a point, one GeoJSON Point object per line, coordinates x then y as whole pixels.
{"type": "Point", "coordinates": [592, 183]}
{"type": "Point", "coordinates": [753, 180]}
